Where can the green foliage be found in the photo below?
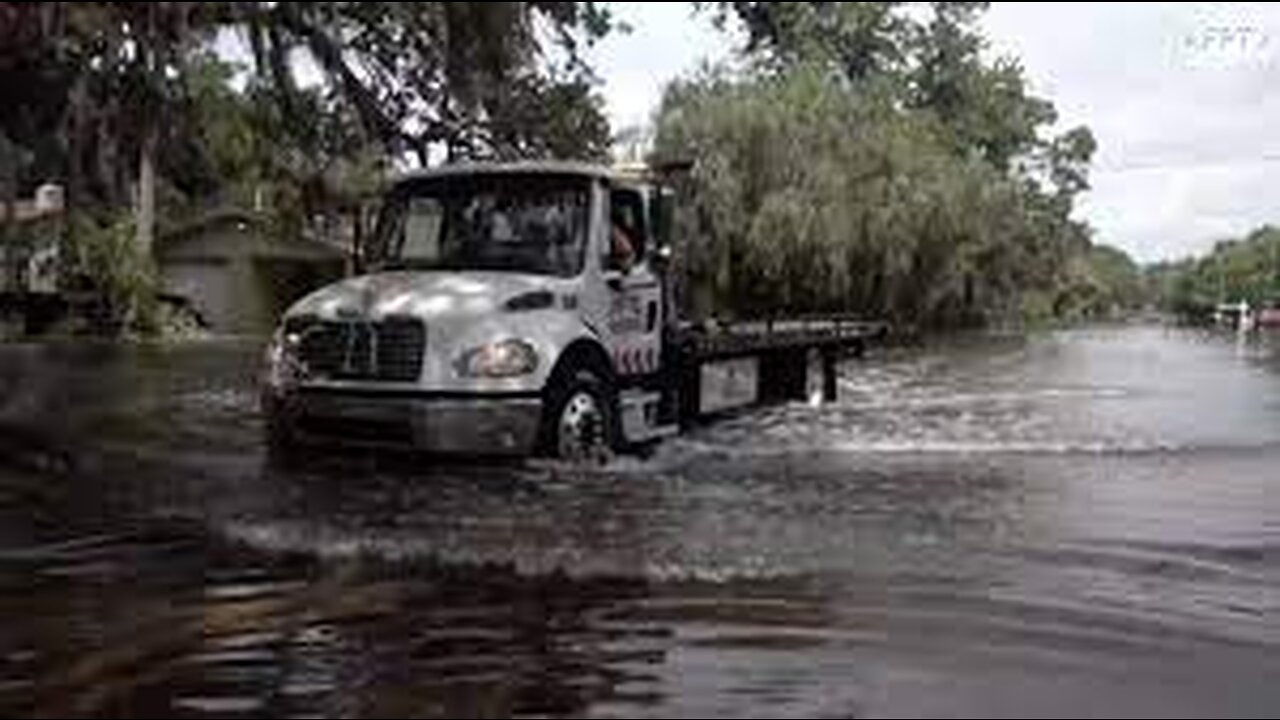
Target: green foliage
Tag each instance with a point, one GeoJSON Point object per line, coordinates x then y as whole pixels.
{"type": "Point", "coordinates": [244, 152]}
{"type": "Point", "coordinates": [549, 118]}
{"type": "Point", "coordinates": [466, 75]}
{"type": "Point", "coordinates": [97, 94]}
{"type": "Point", "coordinates": [1247, 269]}
{"type": "Point", "coordinates": [871, 161]}
{"type": "Point", "coordinates": [101, 253]}
{"type": "Point", "coordinates": [1104, 283]}
{"type": "Point", "coordinates": [856, 39]}
{"type": "Point", "coordinates": [400, 77]}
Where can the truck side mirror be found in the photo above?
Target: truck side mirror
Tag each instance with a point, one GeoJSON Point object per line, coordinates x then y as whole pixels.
{"type": "Point", "coordinates": [618, 264]}
{"type": "Point", "coordinates": [364, 227]}
{"type": "Point", "coordinates": [622, 254]}
{"type": "Point", "coordinates": [661, 258]}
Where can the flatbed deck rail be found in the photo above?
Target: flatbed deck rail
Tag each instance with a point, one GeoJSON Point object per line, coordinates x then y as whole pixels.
{"type": "Point", "coordinates": [786, 357]}
{"type": "Point", "coordinates": [830, 333]}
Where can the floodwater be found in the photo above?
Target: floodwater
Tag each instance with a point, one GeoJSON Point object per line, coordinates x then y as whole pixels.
{"type": "Point", "coordinates": [1082, 524]}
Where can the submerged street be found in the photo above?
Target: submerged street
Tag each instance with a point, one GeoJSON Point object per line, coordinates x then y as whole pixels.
{"type": "Point", "coordinates": [1084, 523]}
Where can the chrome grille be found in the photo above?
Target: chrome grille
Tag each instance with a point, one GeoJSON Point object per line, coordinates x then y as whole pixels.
{"type": "Point", "coordinates": [389, 350]}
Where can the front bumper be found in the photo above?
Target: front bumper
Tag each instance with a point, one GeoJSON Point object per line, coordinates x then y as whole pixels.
{"type": "Point", "coordinates": [472, 424]}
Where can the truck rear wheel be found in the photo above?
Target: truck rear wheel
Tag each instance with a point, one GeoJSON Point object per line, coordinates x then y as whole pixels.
{"type": "Point", "coordinates": [581, 422]}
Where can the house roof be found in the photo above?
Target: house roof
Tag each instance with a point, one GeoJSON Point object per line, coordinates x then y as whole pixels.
{"type": "Point", "coordinates": [214, 219]}
{"type": "Point", "coordinates": [172, 241]}
{"type": "Point", "coordinates": [26, 211]}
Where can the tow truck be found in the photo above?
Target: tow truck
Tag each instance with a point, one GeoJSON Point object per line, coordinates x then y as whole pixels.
{"type": "Point", "coordinates": [528, 308]}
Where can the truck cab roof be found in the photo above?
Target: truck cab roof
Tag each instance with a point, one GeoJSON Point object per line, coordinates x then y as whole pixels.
{"type": "Point", "coordinates": [628, 175]}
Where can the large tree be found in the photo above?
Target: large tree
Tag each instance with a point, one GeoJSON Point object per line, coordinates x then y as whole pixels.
{"type": "Point", "coordinates": [117, 79]}
{"type": "Point", "coordinates": [871, 158]}
{"type": "Point", "coordinates": [424, 75]}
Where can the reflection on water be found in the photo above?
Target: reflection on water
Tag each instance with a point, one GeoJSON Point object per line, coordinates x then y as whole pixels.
{"type": "Point", "coordinates": [1105, 391]}
{"type": "Point", "coordinates": [1080, 522]}
{"type": "Point", "coordinates": [172, 624]}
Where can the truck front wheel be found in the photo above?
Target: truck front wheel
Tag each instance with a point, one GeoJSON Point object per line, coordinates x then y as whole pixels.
{"type": "Point", "coordinates": [280, 435]}
{"type": "Point", "coordinates": [581, 423]}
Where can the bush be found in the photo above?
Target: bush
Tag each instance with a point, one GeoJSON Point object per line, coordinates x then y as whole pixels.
{"type": "Point", "coordinates": [102, 256]}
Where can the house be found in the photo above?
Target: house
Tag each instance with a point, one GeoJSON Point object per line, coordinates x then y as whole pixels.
{"type": "Point", "coordinates": [29, 250]}
{"type": "Point", "coordinates": [235, 276]}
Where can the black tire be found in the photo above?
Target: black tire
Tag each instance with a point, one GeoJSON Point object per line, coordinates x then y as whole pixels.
{"type": "Point", "coordinates": [583, 400]}
{"type": "Point", "coordinates": [283, 443]}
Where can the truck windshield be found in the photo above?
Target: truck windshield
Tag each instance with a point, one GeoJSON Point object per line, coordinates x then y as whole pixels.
{"type": "Point", "coordinates": [512, 223]}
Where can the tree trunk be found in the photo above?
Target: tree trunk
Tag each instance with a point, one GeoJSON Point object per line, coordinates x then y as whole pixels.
{"type": "Point", "coordinates": [154, 62]}
{"type": "Point", "coordinates": [8, 195]}
{"type": "Point", "coordinates": [145, 216]}
{"type": "Point", "coordinates": [75, 131]}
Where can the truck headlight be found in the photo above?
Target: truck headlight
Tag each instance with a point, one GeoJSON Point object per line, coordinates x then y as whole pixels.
{"type": "Point", "coordinates": [281, 365]}
{"type": "Point", "coordinates": [502, 359]}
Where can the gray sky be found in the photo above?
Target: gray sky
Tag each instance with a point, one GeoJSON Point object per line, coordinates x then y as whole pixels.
{"type": "Point", "coordinates": [1176, 94]}
{"type": "Point", "coordinates": [667, 39]}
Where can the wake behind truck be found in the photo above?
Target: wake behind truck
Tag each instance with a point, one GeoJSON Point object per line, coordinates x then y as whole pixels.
{"type": "Point", "coordinates": [527, 308]}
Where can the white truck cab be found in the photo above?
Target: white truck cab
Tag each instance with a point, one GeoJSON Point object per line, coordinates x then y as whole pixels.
{"type": "Point", "coordinates": [508, 309]}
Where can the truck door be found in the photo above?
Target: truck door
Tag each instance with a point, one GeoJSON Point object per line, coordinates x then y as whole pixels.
{"type": "Point", "coordinates": [635, 321]}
